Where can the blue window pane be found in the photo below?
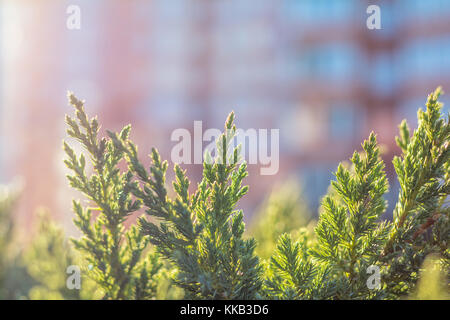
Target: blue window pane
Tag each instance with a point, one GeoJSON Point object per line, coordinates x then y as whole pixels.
{"type": "Point", "coordinates": [334, 62]}
{"type": "Point", "coordinates": [343, 121]}
{"type": "Point", "coordinates": [318, 11]}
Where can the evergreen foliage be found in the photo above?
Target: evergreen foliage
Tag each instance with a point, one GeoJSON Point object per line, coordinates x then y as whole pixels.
{"type": "Point", "coordinates": [6, 226]}
{"type": "Point", "coordinates": [9, 288]}
{"type": "Point", "coordinates": [421, 217]}
{"type": "Point", "coordinates": [46, 260]}
{"type": "Point", "coordinates": [114, 254]}
{"type": "Point", "coordinates": [192, 244]}
{"type": "Point", "coordinates": [200, 233]}
{"type": "Point", "coordinates": [36, 267]}
{"type": "Point", "coordinates": [284, 211]}
{"type": "Point", "coordinates": [350, 235]}
{"type": "Point", "coordinates": [293, 274]}
{"type": "Point", "coordinates": [433, 281]}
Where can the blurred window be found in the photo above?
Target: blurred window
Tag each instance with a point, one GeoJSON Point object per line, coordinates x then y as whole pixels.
{"type": "Point", "coordinates": [171, 42]}
{"type": "Point", "coordinates": [167, 109]}
{"type": "Point", "coordinates": [243, 41]}
{"type": "Point", "coordinates": [343, 121]}
{"type": "Point", "coordinates": [316, 180]}
{"type": "Point", "coordinates": [230, 11]}
{"type": "Point", "coordinates": [331, 61]}
{"type": "Point", "coordinates": [422, 9]}
{"type": "Point", "coordinates": [383, 79]}
{"type": "Point", "coordinates": [425, 58]}
{"type": "Point", "coordinates": [318, 11]}
{"type": "Point", "coordinates": [171, 11]}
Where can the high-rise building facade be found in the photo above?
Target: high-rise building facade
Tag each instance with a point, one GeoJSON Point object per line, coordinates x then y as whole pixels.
{"type": "Point", "coordinates": [310, 68]}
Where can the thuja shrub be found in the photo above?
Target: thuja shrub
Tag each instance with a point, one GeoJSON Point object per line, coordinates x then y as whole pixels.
{"type": "Point", "coordinates": [115, 256]}
{"type": "Point", "coordinates": [200, 233]}
{"type": "Point", "coordinates": [34, 268]}
{"type": "Point", "coordinates": [198, 237]}
{"type": "Point", "coordinates": [283, 211]}
{"type": "Point", "coordinates": [47, 259]}
{"type": "Point", "coordinates": [8, 256]}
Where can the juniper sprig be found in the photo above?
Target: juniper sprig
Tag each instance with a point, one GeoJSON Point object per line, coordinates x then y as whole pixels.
{"type": "Point", "coordinates": [348, 236]}
{"type": "Point", "coordinates": [200, 233]}
{"type": "Point", "coordinates": [115, 255]}
{"type": "Point", "coordinates": [421, 217]}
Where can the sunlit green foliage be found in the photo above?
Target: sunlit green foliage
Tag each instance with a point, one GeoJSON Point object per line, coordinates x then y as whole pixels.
{"type": "Point", "coordinates": [284, 211]}
{"type": "Point", "coordinates": [118, 264]}
{"type": "Point", "coordinates": [192, 245]}
{"type": "Point", "coordinates": [47, 259]}
{"type": "Point", "coordinates": [434, 281]}
{"type": "Point", "coordinates": [36, 267]}
{"type": "Point", "coordinates": [350, 235]}
{"type": "Point", "coordinates": [6, 230]}
{"type": "Point", "coordinates": [200, 233]}
{"type": "Point", "coordinates": [421, 217]}
{"type": "Point", "coordinates": [13, 277]}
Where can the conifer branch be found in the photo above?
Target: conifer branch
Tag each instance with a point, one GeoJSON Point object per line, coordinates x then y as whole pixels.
{"type": "Point", "coordinates": [422, 169]}
{"type": "Point", "coordinates": [113, 252]}
{"type": "Point", "coordinates": [200, 233]}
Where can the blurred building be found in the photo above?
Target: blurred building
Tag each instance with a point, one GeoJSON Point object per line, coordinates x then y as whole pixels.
{"type": "Point", "coordinates": [310, 68]}
{"type": "Point", "coordinates": [351, 80]}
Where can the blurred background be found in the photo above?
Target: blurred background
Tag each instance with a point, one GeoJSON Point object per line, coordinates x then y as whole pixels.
{"type": "Point", "coordinates": [310, 68]}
